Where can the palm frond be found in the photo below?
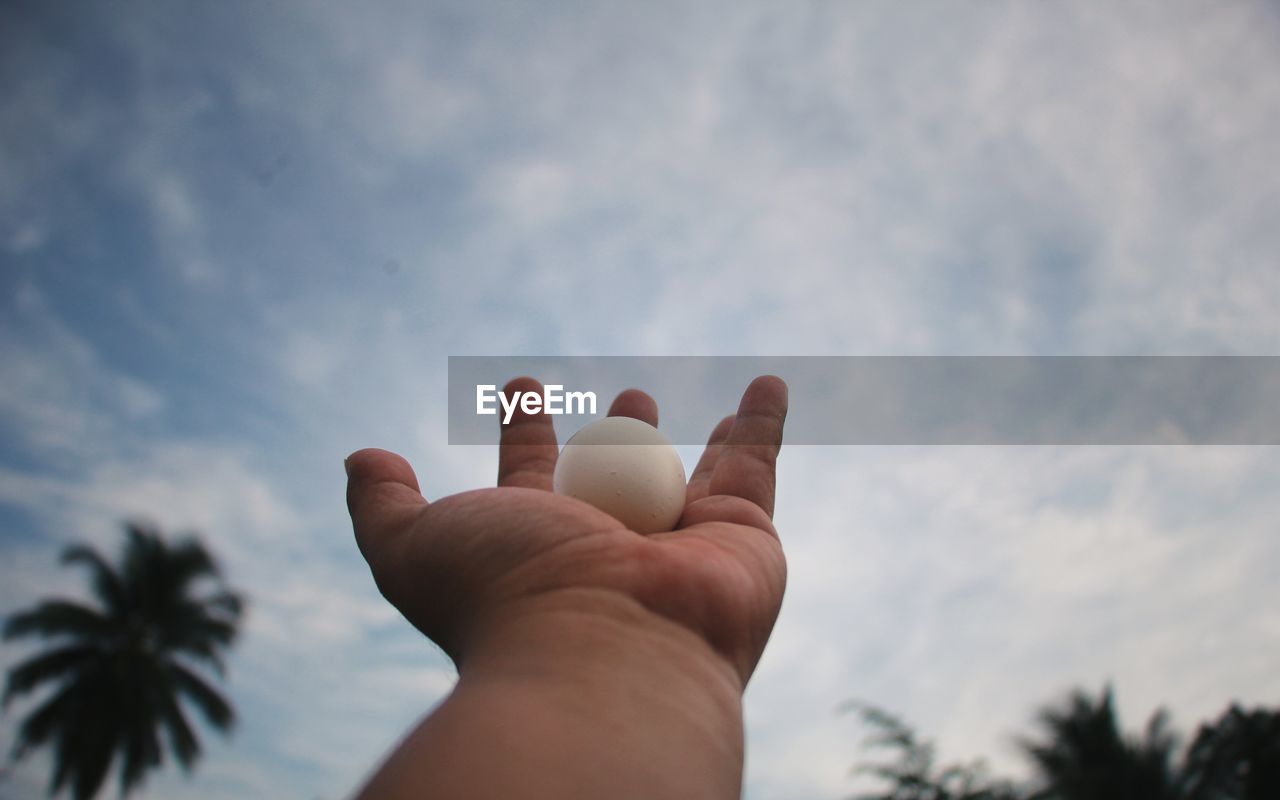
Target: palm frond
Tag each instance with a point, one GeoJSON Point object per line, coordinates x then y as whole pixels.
{"type": "Point", "coordinates": [192, 630]}
{"type": "Point", "coordinates": [227, 602]}
{"type": "Point", "coordinates": [141, 561]}
{"type": "Point", "coordinates": [103, 576]}
{"type": "Point", "coordinates": [211, 703]}
{"type": "Point", "coordinates": [202, 651]}
{"type": "Point", "coordinates": [59, 618]}
{"type": "Point", "coordinates": [85, 741]}
{"type": "Point", "coordinates": [188, 560]}
{"type": "Point", "coordinates": [47, 666]}
{"type": "Point", "coordinates": [1160, 740]}
{"type": "Point", "coordinates": [95, 750]}
{"type": "Point", "coordinates": [190, 621]}
{"type": "Point", "coordinates": [181, 738]}
{"type": "Point", "coordinates": [42, 722]}
{"type": "Point", "coordinates": [141, 749]}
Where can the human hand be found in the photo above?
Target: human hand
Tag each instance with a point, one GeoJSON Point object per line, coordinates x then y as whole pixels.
{"type": "Point", "coordinates": [473, 569]}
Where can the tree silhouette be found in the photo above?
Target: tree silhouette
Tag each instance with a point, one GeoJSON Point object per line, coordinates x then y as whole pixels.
{"type": "Point", "coordinates": [1086, 757]}
{"type": "Point", "coordinates": [913, 775]}
{"type": "Point", "coordinates": [121, 668]}
{"type": "Point", "coordinates": [1236, 758]}
{"type": "Point", "coordinates": [1084, 754]}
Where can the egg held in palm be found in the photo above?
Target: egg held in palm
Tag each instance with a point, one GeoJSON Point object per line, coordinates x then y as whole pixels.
{"type": "Point", "coordinates": [627, 469]}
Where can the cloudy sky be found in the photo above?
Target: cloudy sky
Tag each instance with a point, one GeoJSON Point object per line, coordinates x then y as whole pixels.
{"type": "Point", "coordinates": [240, 240]}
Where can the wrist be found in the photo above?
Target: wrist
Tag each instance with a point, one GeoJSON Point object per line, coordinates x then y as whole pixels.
{"type": "Point", "coordinates": [635, 699]}
{"type": "Point", "coordinates": [576, 633]}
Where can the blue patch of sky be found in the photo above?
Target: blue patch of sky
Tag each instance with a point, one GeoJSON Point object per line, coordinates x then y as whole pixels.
{"type": "Point", "coordinates": [18, 526]}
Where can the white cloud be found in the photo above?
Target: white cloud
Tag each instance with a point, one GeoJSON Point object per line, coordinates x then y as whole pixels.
{"type": "Point", "coordinates": [59, 395]}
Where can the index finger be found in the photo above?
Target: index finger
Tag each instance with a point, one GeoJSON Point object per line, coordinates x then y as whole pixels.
{"type": "Point", "coordinates": [527, 449]}
{"type": "Point", "coordinates": [746, 467]}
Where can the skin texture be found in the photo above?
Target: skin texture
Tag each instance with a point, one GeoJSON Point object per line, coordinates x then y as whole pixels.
{"type": "Point", "coordinates": [593, 661]}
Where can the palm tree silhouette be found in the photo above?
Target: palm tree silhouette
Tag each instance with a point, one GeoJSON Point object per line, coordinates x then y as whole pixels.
{"type": "Point", "coordinates": [1235, 758]}
{"type": "Point", "coordinates": [915, 774]}
{"type": "Point", "coordinates": [1084, 754]}
{"type": "Point", "coordinates": [120, 668]}
{"type": "Point", "coordinates": [1086, 757]}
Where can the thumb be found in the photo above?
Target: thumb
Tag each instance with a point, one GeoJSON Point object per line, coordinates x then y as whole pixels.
{"type": "Point", "coordinates": [382, 497]}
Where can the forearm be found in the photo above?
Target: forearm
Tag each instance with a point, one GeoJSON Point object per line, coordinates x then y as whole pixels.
{"type": "Point", "coordinates": [579, 700]}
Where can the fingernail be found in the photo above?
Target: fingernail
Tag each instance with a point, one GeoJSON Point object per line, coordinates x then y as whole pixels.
{"type": "Point", "coordinates": [346, 466]}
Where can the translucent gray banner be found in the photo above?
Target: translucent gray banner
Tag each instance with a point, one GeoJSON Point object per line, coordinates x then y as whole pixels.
{"type": "Point", "coordinates": [1031, 400]}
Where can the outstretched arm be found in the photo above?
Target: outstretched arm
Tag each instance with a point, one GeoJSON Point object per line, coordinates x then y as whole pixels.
{"type": "Point", "coordinates": [593, 661]}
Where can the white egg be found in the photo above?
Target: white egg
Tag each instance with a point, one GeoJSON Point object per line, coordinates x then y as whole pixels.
{"type": "Point", "coordinates": [626, 468]}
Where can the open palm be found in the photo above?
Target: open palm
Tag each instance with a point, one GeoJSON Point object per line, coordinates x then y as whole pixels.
{"type": "Point", "coordinates": [462, 563]}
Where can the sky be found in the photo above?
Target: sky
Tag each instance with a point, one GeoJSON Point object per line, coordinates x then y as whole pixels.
{"type": "Point", "coordinates": [240, 240]}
